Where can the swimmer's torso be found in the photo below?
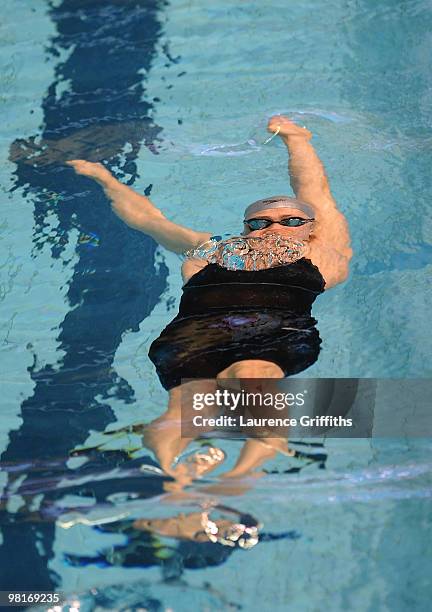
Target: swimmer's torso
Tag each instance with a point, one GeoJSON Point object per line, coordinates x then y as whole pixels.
{"type": "Point", "coordinates": [229, 315]}
{"type": "Point", "coordinates": [291, 287]}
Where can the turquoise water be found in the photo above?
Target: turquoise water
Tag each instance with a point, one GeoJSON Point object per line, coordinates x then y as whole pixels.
{"type": "Point", "coordinates": [74, 356]}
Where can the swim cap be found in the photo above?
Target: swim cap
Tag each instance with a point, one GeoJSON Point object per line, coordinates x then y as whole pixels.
{"type": "Point", "coordinates": [281, 201]}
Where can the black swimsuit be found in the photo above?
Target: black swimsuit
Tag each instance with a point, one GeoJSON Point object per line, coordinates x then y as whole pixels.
{"type": "Point", "coordinates": [232, 315]}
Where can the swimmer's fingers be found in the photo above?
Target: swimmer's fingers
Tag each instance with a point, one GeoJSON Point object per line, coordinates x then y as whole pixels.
{"type": "Point", "coordinates": [282, 122]}
{"type": "Point", "coordinates": [287, 127]}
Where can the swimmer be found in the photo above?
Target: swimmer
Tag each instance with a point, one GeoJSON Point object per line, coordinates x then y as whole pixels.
{"type": "Point", "coordinates": [245, 310]}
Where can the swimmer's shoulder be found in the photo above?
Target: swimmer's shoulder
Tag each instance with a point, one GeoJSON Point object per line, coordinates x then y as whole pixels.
{"type": "Point", "coordinates": [331, 264]}
{"type": "Point", "coordinates": [196, 259]}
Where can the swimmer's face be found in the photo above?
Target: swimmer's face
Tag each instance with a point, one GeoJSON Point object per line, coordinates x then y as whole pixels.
{"type": "Point", "coordinates": [302, 232]}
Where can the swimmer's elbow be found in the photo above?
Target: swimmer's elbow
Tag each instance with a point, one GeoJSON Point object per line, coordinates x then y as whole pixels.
{"type": "Point", "coordinates": [343, 271]}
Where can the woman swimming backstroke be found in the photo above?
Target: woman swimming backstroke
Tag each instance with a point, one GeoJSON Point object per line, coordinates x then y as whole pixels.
{"type": "Point", "coordinates": [245, 310]}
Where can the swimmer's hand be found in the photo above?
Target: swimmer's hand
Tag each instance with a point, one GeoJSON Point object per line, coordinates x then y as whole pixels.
{"type": "Point", "coordinates": [287, 128]}
{"type": "Point", "coordinates": [96, 171]}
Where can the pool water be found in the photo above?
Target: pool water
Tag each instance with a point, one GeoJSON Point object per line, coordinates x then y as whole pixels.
{"type": "Point", "coordinates": [174, 98]}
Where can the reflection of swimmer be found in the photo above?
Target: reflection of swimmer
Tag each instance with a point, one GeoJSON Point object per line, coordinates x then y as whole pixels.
{"type": "Point", "coordinates": [94, 142]}
{"type": "Point", "coordinates": [246, 306]}
{"type": "Point", "coordinates": [204, 539]}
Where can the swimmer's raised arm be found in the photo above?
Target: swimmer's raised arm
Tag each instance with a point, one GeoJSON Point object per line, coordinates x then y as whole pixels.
{"type": "Point", "coordinates": [329, 246]}
{"type": "Point", "coordinates": [309, 182]}
{"type": "Point", "coordinates": [138, 211]}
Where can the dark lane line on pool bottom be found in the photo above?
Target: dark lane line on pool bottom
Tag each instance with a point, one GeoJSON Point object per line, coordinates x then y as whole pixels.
{"type": "Point", "coordinates": [114, 285]}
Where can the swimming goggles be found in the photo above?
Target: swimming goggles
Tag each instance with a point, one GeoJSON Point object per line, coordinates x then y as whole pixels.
{"type": "Point", "coordinates": [259, 224]}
